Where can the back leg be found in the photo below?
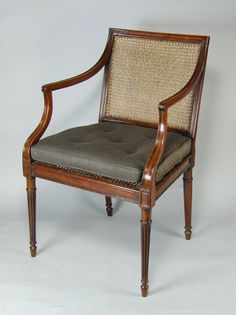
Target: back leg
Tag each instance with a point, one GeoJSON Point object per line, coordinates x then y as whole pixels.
{"type": "Point", "coordinates": [109, 206]}
{"type": "Point", "coordinates": [188, 202]}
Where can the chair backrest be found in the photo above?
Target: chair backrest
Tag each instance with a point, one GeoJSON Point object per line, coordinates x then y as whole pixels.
{"type": "Point", "coordinates": [145, 68]}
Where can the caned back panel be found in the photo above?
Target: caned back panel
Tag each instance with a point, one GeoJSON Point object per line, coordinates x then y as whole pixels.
{"type": "Point", "coordinates": [142, 72]}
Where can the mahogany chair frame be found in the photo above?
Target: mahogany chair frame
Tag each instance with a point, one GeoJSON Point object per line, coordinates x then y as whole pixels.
{"type": "Point", "coordinates": [146, 194]}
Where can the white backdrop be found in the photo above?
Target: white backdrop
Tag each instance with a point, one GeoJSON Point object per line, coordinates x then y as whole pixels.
{"type": "Point", "coordinates": [47, 41]}
{"type": "Point", "coordinates": [44, 41]}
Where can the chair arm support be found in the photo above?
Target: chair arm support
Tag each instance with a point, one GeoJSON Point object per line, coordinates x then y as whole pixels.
{"type": "Point", "coordinates": [38, 132]}
{"type": "Point", "coordinates": [148, 182]}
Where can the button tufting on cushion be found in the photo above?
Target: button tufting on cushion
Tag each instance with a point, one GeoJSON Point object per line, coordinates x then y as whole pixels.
{"type": "Point", "coordinates": [110, 149]}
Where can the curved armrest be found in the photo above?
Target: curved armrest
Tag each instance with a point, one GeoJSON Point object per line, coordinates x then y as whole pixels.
{"type": "Point", "coordinates": [48, 102]}
{"type": "Point", "coordinates": [189, 85]}
{"type": "Point", "coordinates": [149, 175]}
{"type": "Point", "coordinates": [81, 77]}
{"type": "Point", "coordinates": [74, 80]}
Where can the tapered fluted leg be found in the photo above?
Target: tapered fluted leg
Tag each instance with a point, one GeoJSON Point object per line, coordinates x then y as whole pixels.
{"type": "Point", "coordinates": [31, 196]}
{"type": "Point", "coordinates": [146, 220]}
{"type": "Point", "coordinates": [188, 202]}
{"type": "Point", "coordinates": [109, 206]}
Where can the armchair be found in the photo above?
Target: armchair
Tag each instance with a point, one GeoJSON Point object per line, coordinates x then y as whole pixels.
{"type": "Point", "coordinates": [145, 137]}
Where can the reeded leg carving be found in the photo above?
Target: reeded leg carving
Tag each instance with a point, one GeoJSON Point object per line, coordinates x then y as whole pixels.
{"type": "Point", "coordinates": [146, 220]}
{"type": "Point", "coordinates": [31, 197]}
{"type": "Point", "coordinates": [109, 206]}
{"type": "Point", "coordinates": [188, 202]}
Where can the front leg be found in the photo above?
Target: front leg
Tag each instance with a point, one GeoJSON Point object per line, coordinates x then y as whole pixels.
{"type": "Point", "coordinates": [146, 220]}
{"type": "Point", "coordinates": [31, 197]}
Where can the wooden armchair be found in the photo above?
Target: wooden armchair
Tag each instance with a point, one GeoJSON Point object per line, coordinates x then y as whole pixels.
{"type": "Point", "coordinates": [145, 137]}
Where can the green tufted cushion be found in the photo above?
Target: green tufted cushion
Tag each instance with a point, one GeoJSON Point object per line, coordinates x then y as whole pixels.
{"type": "Point", "coordinates": [110, 149]}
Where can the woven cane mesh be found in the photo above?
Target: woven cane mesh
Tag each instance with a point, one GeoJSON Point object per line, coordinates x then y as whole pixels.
{"type": "Point", "coordinates": [142, 72]}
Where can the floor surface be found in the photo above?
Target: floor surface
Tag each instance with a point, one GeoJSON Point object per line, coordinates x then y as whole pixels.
{"type": "Point", "coordinates": [89, 263]}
